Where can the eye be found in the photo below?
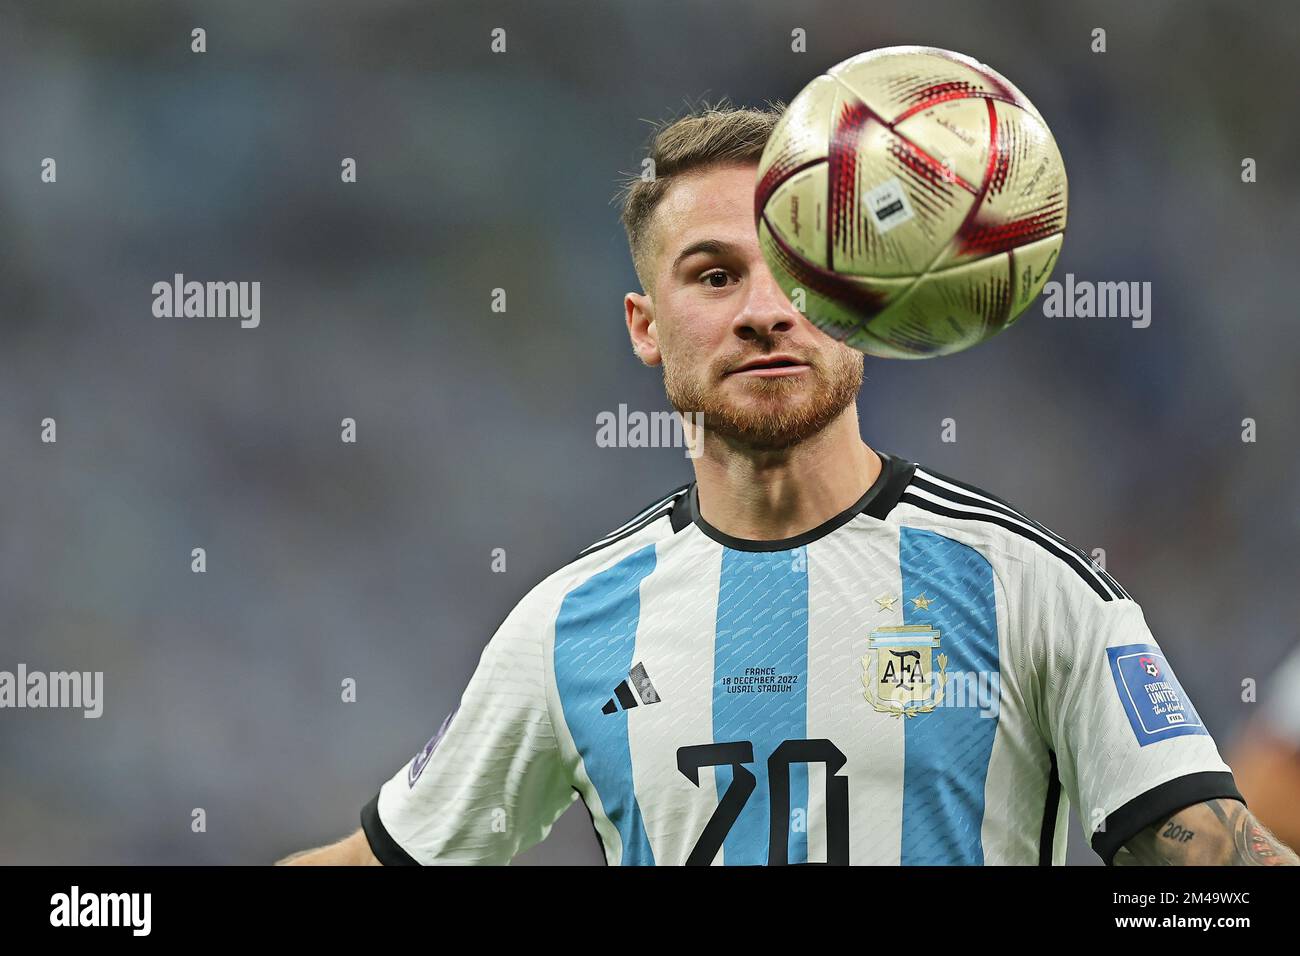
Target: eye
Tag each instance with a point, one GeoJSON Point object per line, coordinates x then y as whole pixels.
{"type": "Point", "coordinates": [714, 274]}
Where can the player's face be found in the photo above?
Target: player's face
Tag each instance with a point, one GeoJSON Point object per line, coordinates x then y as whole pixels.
{"type": "Point", "coordinates": [732, 345]}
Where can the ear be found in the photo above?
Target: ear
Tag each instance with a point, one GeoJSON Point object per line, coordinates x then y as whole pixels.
{"type": "Point", "coordinates": [641, 327]}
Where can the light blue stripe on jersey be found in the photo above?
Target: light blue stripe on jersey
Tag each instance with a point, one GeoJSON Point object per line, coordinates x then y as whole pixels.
{"type": "Point", "coordinates": [595, 638]}
{"type": "Point", "coordinates": [946, 752]}
{"type": "Point", "coordinates": [762, 623]}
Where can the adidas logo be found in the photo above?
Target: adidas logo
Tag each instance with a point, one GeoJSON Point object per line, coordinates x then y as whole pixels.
{"type": "Point", "coordinates": [624, 698]}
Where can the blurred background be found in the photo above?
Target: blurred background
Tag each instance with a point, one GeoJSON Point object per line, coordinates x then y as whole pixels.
{"type": "Point", "coordinates": [476, 430]}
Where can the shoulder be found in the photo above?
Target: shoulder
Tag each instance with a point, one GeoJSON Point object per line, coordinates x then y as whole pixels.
{"type": "Point", "coordinates": [646, 525]}
{"type": "Point", "coordinates": [997, 527]}
{"type": "Point", "coordinates": [539, 607]}
{"type": "Point", "coordinates": [657, 512]}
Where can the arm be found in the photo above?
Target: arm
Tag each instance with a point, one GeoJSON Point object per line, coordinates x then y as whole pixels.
{"type": "Point", "coordinates": [353, 850]}
{"type": "Point", "coordinates": [1214, 833]}
{"type": "Point", "coordinates": [491, 782]}
{"type": "Point", "coordinates": [1133, 753]}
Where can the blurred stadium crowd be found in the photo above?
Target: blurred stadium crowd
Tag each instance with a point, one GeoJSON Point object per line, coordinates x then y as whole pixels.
{"type": "Point", "coordinates": [476, 429]}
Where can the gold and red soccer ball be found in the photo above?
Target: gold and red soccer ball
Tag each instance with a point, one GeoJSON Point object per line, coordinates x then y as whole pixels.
{"type": "Point", "coordinates": [911, 202]}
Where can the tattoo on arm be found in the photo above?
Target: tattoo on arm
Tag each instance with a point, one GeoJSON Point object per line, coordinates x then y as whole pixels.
{"type": "Point", "coordinates": [1217, 807]}
{"type": "Point", "coordinates": [1213, 833]}
{"type": "Point", "coordinates": [1255, 845]}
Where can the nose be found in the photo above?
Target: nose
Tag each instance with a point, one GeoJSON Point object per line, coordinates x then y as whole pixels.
{"type": "Point", "coordinates": [766, 309]}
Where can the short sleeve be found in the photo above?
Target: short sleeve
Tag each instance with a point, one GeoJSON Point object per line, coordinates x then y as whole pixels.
{"type": "Point", "coordinates": [1131, 748]}
{"type": "Point", "coordinates": [490, 783]}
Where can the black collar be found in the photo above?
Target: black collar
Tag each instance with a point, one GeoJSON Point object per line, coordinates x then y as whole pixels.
{"type": "Point", "coordinates": [878, 501]}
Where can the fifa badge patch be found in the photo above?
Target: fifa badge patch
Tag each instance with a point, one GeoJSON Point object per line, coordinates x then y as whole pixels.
{"type": "Point", "coordinates": [899, 676]}
{"type": "Point", "coordinates": [1156, 704]}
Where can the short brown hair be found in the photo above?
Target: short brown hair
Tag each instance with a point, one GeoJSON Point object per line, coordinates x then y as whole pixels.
{"type": "Point", "coordinates": [706, 136]}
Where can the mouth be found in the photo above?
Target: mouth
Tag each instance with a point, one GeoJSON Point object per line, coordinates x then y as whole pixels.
{"type": "Point", "coordinates": [772, 366]}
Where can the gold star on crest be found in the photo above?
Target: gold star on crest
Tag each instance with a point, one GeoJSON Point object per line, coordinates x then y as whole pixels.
{"type": "Point", "coordinates": [886, 602]}
{"type": "Point", "coordinates": [922, 603]}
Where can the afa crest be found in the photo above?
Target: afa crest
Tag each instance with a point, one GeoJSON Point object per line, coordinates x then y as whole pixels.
{"type": "Point", "coordinates": [898, 673]}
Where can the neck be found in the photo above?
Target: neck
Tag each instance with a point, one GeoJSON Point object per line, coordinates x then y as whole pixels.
{"type": "Point", "coordinates": [769, 495]}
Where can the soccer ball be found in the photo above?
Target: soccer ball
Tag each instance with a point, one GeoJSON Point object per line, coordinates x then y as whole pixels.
{"type": "Point", "coordinates": [911, 202]}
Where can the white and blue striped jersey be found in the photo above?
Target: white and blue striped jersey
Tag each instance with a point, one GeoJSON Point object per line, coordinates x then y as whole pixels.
{"type": "Point", "coordinates": [929, 677]}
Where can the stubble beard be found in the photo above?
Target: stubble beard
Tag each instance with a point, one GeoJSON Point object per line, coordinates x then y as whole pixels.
{"type": "Point", "coordinates": [770, 420]}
